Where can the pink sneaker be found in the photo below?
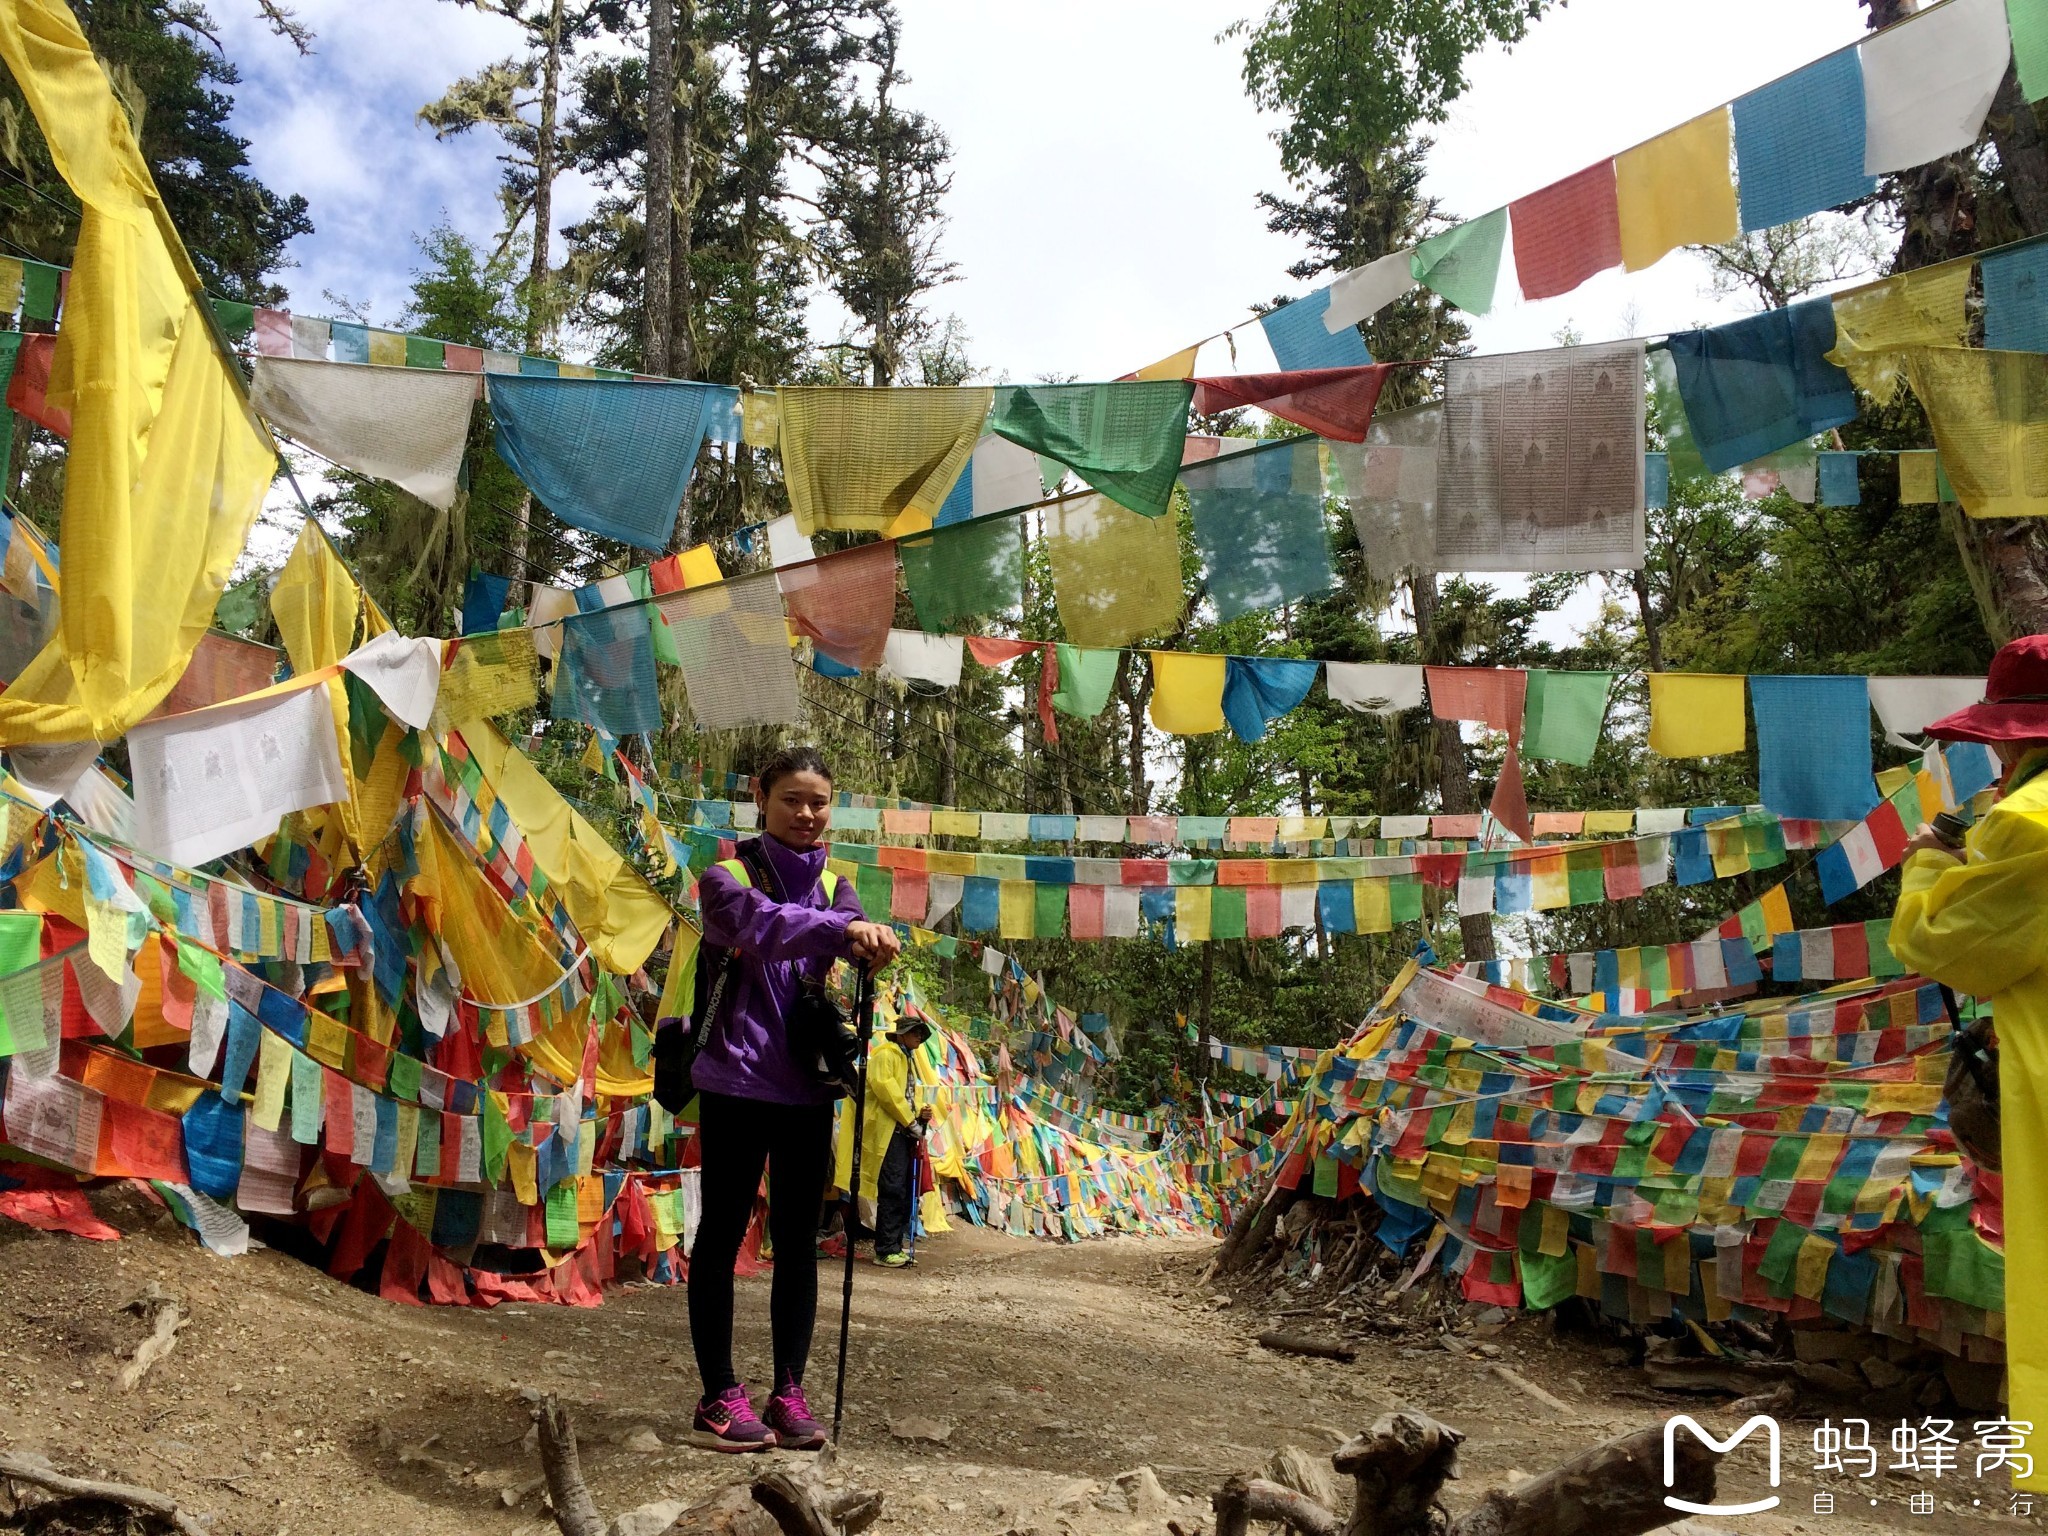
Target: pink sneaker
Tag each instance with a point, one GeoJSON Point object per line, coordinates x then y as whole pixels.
{"type": "Point", "coordinates": [728, 1423]}
{"type": "Point", "coordinates": [789, 1418]}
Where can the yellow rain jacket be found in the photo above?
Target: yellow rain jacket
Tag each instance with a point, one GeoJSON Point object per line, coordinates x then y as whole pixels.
{"type": "Point", "coordinates": [1980, 924]}
{"type": "Point", "coordinates": [888, 1107]}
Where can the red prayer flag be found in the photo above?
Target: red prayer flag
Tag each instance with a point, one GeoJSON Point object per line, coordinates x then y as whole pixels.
{"type": "Point", "coordinates": [844, 602]}
{"type": "Point", "coordinates": [1567, 232]}
{"type": "Point", "coordinates": [273, 333]}
{"type": "Point", "coordinates": [1333, 402]}
{"type": "Point", "coordinates": [991, 651]}
{"type": "Point", "coordinates": [28, 390]}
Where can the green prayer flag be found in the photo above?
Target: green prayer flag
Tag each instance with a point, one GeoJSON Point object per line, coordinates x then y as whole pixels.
{"type": "Point", "coordinates": [964, 571]}
{"type": "Point", "coordinates": [641, 584]}
{"type": "Point", "coordinates": [1943, 491]}
{"type": "Point", "coordinates": [1548, 1280]}
{"type": "Point", "coordinates": [1564, 715]}
{"type": "Point", "coordinates": [1407, 900]}
{"type": "Point", "coordinates": [1049, 915]}
{"type": "Point", "coordinates": [1963, 1267]}
{"type": "Point", "coordinates": [1681, 449]}
{"type": "Point", "coordinates": [1463, 264]}
{"type": "Point", "coordinates": [40, 285]}
{"type": "Point", "coordinates": [1085, 680]}
{"type": "Point", "coordinates": [1326, 1176]}
{"type": "Point", "coordinates": [425, 352]}
{"type": "Point", "coordinates": [1877, 933]}
{"type": "Point", "coordinates": [366, 722]}
{"type": "Point", "coordinates": [875, 886]}
{"type": "Point", "coordinates": [204, 968]}
{"type": "Point", "coordinates": [2027, 20]}
{"type": "Point", "coordinates": [562, 1232]}
{"type": "Point", "coordinates": [1124, 439]}
{"type": "Point", "coordinates": [1226, 913]}
{"type": "Point", "coordinates": [497, 1137]}
{"type": "Point", "coordinates": [21, 1004]}
{"type": "Point", "coordinates": [306, 1098]}
{"type": "Point", "coordinates": [426, 1160]}
{"type": "Point", "coordinates": [403, 1080]}
{"type": "Point", "coordinates": [1191, 872]}
{"type": "Point", "coordinates": [237, 320]}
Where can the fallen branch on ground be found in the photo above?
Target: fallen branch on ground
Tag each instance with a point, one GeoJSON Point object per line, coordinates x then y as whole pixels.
{"type": "Point", "coordinates": [144, 1501]}
{"type": "Point", "coordinates": [166, 1318]}
{"type": "Point", "coordinates": [1302, 1344]}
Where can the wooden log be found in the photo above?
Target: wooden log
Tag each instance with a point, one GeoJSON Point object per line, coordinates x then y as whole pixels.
{"type": "Point", "coordinates": [1515, 1378]}
{"type": "Point", "coordinates": [1399, 1467]}
{"type": "Point", "coordinates": [1241, 1501]}
{"type": "Point", "coordinates": [20, 1469]}
{"type": "Point", "coordinates": [575, 1510]}
{"type": "Point", "coordinates": [1615, 1489]}
{"type": "Point", "coordinates": [1302, 1344]}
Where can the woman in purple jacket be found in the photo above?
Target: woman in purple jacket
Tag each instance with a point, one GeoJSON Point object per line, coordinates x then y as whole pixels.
{"type": "Point", "coordinates": [758, 1106]}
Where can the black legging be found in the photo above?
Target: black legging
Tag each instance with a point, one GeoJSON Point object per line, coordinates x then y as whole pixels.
{"type": "Point", "coordinates": [737, 1138]}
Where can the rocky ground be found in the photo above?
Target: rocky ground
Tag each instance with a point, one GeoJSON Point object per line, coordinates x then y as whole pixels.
{"type": "Point", "coordinates": [1000, 1386]}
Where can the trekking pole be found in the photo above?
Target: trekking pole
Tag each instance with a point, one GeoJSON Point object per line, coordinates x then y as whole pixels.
{"type": "Point", "coordinates": [916, 1197]}
{"type": "Point", "coordinates": [864, 1026]}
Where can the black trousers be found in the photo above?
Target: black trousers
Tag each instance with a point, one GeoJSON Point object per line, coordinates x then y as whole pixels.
{"type": "Point", "coordinates": [893, 1196]}
{"type": "Point", "coordinates": [738, 1139]}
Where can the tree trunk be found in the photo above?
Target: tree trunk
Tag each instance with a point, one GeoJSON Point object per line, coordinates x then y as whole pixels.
{"type": "Point", "coordinates": [682, 345]}
{"type": "Point", "coordinates": [1454, 769]}
{"type": "Point", "coordinates": [1134, 697]}
{"type": "Point", "coordinates": [538, 268]}
{"type": "Point", "coordinates": [1653, 635]}
{"type": "Point", "coordinates": [2022, 156]}
{"type": "Point", "coordinates": [661, 113]}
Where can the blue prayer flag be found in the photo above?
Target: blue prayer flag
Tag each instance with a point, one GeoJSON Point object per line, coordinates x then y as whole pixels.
{"type": "Point", "coordinates": [243, 1034]}
{"type": "Point", "coordinates": [1691, 863]}
{"type": "Point", "coordinates": [980, 904]}
{"type": "Point", "coordinates": [1258, 523]}
{"type": "Point", "coordinates": [609, 457]}
{"type": "Point", "coordinates": [1788, 958]}
{"type": "Point", "coordinates": [1761, 383]}
{"type": "Point", "coordinates": [1333, 906]}
{"type": "Point", "coordinates": [1656, 480]}
{"type": "Point", "coordinates": [213, 1145]}
{"type": "Point", "coordinates": [351, 342]}
{"type": "Point", "coordinates": [721, 413]}
{"type": "Point", "coordinates": [1296, 334]}
{"type": "Point", "coordinates": [605, 674]}
{"type": "Point", "coordinates": [958, 507]}
{"type": "Point", "coordinates": [1813, 746]}
{"type": "Point", "coordinates": [1799, 143]}
{"type": "Point", "coordinates": [536, 368]}
{"type": "Point", "coordinates": [483, 601]}
{"type": "Point", "coordinates": [1257, 690]}
{"type": "Point", "coordinates": [825, 666]}
{"type": "Point", "coordinates": [2016, 299]}
{"type": "Point", "coordinates": [1839, 482]}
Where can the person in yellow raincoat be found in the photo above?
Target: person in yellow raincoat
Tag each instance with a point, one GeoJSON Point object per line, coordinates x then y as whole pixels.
{"type": "Point", "coordinates": [889, 1133]}
{"type": "Point", "coordinates": [1977, 920]}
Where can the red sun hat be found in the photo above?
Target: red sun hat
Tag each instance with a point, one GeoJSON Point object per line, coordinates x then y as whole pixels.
{"type": "Point", "coordinates": [2015, 706]}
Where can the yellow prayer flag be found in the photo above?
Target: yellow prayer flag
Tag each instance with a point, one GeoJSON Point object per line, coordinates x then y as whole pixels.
{"type": "Point", "coordinates": [1608, 823]}
{"type": "Point", "coordinates": [1676, 190]}
{"type": "Point", "coordinates": [1810, 1268]}
{"type": "Point", "coordinates": [1989, 422]}
{"type": "Point", "coordinates": [760, 418]}
{"type": "Point", "coordinates": [1917, 480]}
{"type": "Point", "coordinates": [1181, 365]}
{"type": "Point", "coordinates": [387, 348]}
{"type": "Point", "coordinates": [1696, 714]}
{"type": "Point", "coordinates": [1372, 905]}
{"type": "Point", "coordinates": [408, 1136]}
{"type": "Point", "coordinates": [1017, 906]}
{"type": "Point", "coordinates": [1777, 911]}
{"type": "Point", "coordinates": [1115, 574]}
{"type": "Point", "coordinates": [1187, 693]}
{"type": "Point", "coordinates": [956, 823]}
{"type": "Point", "coordinates": [168, 465]}
{"type": "Point", "coordinates": [1914, 309]}
{"type": "Point", "coordinates": [273, 1075]}
{"type": "Point", "coordinates": [575, 371]}
{"type": "Point", "coordinates": [856, 459]}
{"type": "Point", "coordinates": [1891, 780]}
{"type": "Point", "coordinates": [1192, 906]}
{"type": "Point", "coordinates": [11, 273]}
{"type": "Point", "coordinates": [519, 1162]}
{"type": "Point", "coordinates": [698, 566]}
{"type": "Point", "coordinates": [1550, 885]}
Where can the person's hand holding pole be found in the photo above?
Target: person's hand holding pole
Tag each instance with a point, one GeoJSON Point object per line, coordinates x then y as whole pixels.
{"type": "Point", "coordinates": [873, 944]}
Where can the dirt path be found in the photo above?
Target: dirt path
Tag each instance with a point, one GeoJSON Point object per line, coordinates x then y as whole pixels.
{"type": "Point", "coordinates": [291, 1402]}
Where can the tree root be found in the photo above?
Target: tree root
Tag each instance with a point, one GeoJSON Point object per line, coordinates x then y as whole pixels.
{"type": "Point", "coordinates": [143, 1501]}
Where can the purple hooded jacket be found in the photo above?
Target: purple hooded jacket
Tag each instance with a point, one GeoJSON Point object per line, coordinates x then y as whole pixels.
{"type": "Point", "coordinates": [778, 944]}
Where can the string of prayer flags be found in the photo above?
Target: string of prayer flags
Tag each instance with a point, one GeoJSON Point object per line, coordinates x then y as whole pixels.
{"type": "Point", "coordinates": [999, 476]}
{"type": "Point", "coordinates": [219, 779]}
{"type": "Point", "coordinates": [1799, 144]}
{"type": "Point", "coordinates": [612, 457]}
{"type": "Point", "coordinates": [1336, 403]}
{"type": "Point", "coordinates": [2016, 298]}
{"type": "Point", "coordinates": [1565, 713]}
{"type": "Point", "coordinates": [1676, 190]}
{"type": "Point", "coordinates": [1567, 232]}
{"type": "Point", "coordinates": [733, 646]}
{"type": "Point", "coordinates": [1258, 522]}
{"type": "Point", "coordinates": [1363, 292]}
{"type": "Point", "coordinates": [1990, 425]}
{"type": "Point", "coordinates": [1928, 81]}
{"type": "Point", "coordinates": [408, 427]}
{"type": "Point", "coordinates": [1761, 383]}
{"type": "Point", "coordinates": [843, 603]}
{"type": "Point", "coordinates": [1462, 265]}
{"type": "Point", "coordinates": [1840, 483]}
{"type": "Point", "coordinates": [1085, 678]}
{"type": "Point", "coordinates": [1257, 690]}
{"type": "Point", "coordinates": [1924, 308]}
{"type": "Point", "coordinates": [875, 460]}
{"type": "Point", "coordinates": [483, 600]}
{"type": "Point", "coordinates": [912, 656]}
{"type": "Point", "coordinates": [605, 674]}
{"type": "Point", "coordinates": [1540, 463]}
{"type": "Point", "coordinates": [1116, 576]}
{"type": "Point", "coordinates": [1301, 340]}
{"type": "Point", "coordinates": [1906, 706]}
{"type": "Point", "coordinates": [964, 571]}
{"type": "Point", "coordinates": [1813, 746]}
{"type": "Point", "coordinates": [1125, 440]}
{"type": "Point", "coordinates": [1494, 697]}
{"type": "Point", "coordinates": [1389, 485]}
{"type": "Point", "coordinates": [1187, 692]}
{"type": "Point", "coordinates": [1697, 714]}
{"type": "Point", "coordinates": [1374, 687]}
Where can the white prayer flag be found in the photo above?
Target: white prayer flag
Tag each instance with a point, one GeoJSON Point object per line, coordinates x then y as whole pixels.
{"type": "Point", "coordinates": [1928, 83]}
{"type": "Point", "coordinates": [916, 657]}
{"type": "Point", "coordinates": [1908, 705]}
{"type": "Point", "coordinates": [404, 673]}
{"type": "Point", "coordinates": [405, 425]}
{"type": "Point", "coordinates": [1364, 291]}
{"type": "Point", "coordinates": [1375, 688]}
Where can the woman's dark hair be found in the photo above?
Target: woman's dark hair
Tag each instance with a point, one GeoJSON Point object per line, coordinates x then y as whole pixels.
{"type": "Point", "coordinates": [792, 760]}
